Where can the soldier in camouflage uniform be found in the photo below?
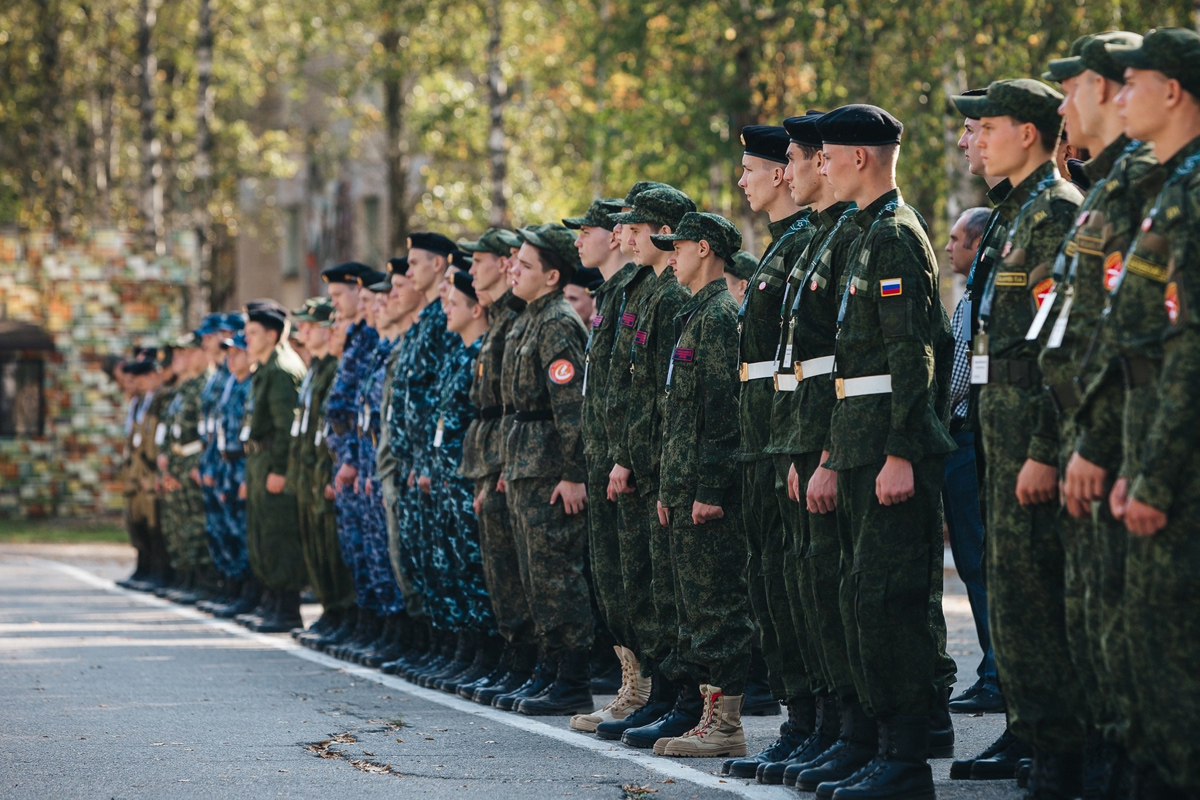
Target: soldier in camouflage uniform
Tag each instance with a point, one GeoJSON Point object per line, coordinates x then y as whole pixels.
{"type": "Point", "coordinates": [1156, 489]}
{"type": "Point", "coordinates": [271, 536]}
{"type": "Point", "coordinates": [482, 462]}
{"type": "Point", "coordinates": [158, 390]}
{"type": "Point", "coordinates": [888, 440]}
{"type": "Point", "coordinates": [738, 272]}
{"type": "Point", "coordinates": [141, 516]}
{"type": "Point", "coordinates": [1026, 568]}
{"type": "Point", "coordinates": [211, 335]}
{"type": "Point", "coordinates": [545, 472]}
{"type": "Point", "coordinates": [599, 245]}
{"type": "Point", "coordinates": [1085, 271]}
{"type": "Point", "coordinates": [698, 492]}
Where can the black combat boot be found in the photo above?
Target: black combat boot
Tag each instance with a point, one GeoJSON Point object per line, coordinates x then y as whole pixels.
{"type": "Point", "coordinates": [140, 572]}
{"type": "Point", "coordinates": [524, 659]}
{"type": "Point", "coordinates": [231, 590]}
{"type": "Point", "coordinates": [759, 702]}
{"type": "Point", "coordinates": [539, 680]}
{"type": "Point", "coordinates": [829, 728]}
{"type": "Point", "coordinates": [369, 626]}
{"type": "Point", "coordinates": [325, 624]}
{"type": "Point", "coordinates": [414, 643]}
{"type": "Point", "coordinates": [286, 615]}
{"type": "Point", "coordinates": [390, 645]}
{"type": "Point", "coordinates": [999, 764]}
{"type": "Point", "coordinates": [446, 645]}
{"type": "Point", "coordinates": [684, 715]}
{"type": "Point", "coordinates": [245, 603]}
{"type": "Point", "coordinates": [799, 725]}
{"type": "Point", "coordinates": [941, 727]}
{"type": "Point", "coordinates": [488, 648]}
{"type": "Point", "coordinates": [371, 650]}
{"type": "Point", "coordinates": [503, 665]}
{"type": "Point", "coordinates": [571, 692]}
{"type": "Point", "coordinates": [857, 743]}
{"type": "Point", "coordinates": [464, 653]}
{"type": "Point", "coordinates": [1055, 776]}
{"type": "Point", "coordinates": [662, 699]}
{"type": "Point", "coordinates": [899, 771]}
{"type": "Point", "coordinates": [266, 604]}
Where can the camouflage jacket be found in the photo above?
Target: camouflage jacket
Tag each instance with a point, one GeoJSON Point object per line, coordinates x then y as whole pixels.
{"type": "Point", "coordinates": [183, 447]}
{"type": "Point", "coordinates": [597, 360]}
{"type": "Point", "coordinates": [235, 399]}
{"type": "Point", "coordinates": [1018, 285]}
{"type": "Point", "coordinates": [272, 407]}
{"type": "Point", "coordinates": [1164, 253]}
{"type": "Point", "coordinates": [210, 412]}
{"type": "Point", "coordinates": [700, 391]}
{"type": "Point", "coordinates": [370, 404]}
{"type": "Point", "coordinates": [385, 456]}
{"type": "Point", "coordinates": [542, 377]}
{"type": "Point", "coordinates": [800, 409]}
{"type": "Point", "coordinates": [891, 320]}
{"type": "Point", "coordinates": [455, 413]}
{"type": "Point", "coordinates": [484, 439]}
{"type": "Point", "coordinates": [616, 388]}
{"type": "Point", "coordinates": [343, 408]}
{"type": "Point", "coordinates": [758, 328]}
{"type": "Point", "coordinates": [303, 448]}
{"type": "Point", "coordinates": [150, 435]}
{"type": "Point", "coordinates": [649, 362]}
{"type": "Point", "coordinates": [418, 375]}
{"type": "Point", "coordinates": [322, 465]}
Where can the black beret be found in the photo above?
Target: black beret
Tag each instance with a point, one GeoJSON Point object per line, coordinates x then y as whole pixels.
{"type": "Point", "coordinates": [397, 266]}
{"type": "Point", "coordinates": [465, 284]}
{"type": "Point", "coordinates": [371, 277]}
{"type": "Point", "coordinates": [344, 273]}
{"type": "Point", "coordinates": [139, 367]}
{"type": "Point", "coordinates": [589, 278]}
{"type": "Point", "coordinates": [461, 259]}
{"type": "Point", "coordinates": [860, 125]}
{"type": "Point", "coordinates": [271, 316]}
{"type": "Point", "coordinates": [433, 242]}
{"type": "Point", "coordinates": [766, 141]}
{"type": "Point", "coordinates": [803, 130]}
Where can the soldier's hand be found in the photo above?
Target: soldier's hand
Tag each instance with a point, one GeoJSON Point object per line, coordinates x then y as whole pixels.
{"type": "Point", "coordinates": [162, 462]}
{"type": "Point", "coordinates": [275, 483]}
{"type": "Point", "coordinates": [1036, 483]}
{"type": "Point", "coordinates": [242, 491]}
{"type": "Point", "coordinates": [477, 503]}
{"type": "Point", "coordinates": [1118, 498]}
{"type": "Point", "coordinates": [703, 512]}
{"type": "Point", "coordinates": [894, 484]}
{"type": "Point", "coordinates": [1083, 484]}
{"type": "Point", "coordinates": [330, 494]}
{"type": "Point", "coordinates": [424, 484]}
{"type": "Point", "coordinates": [210, 481]}
{"type": "Point", "coordinates": [195, 476]}
{"type": "Point", "coordinates": [793, 484]}
{"type": "Point", "coordinates": [412, 480]}
{"type": "Point", "coordinates": [367, 486]}
{"type": "Point", "coordinates": [573, 495]}
{"type": "Point", "coordinates": [618, 482]}
{"type": "Point", "coordinates": [501, 486]}
{"type": "Point", "coordinates": [664, 516]}
{"type": "Point", "coordinates": [1144, 520]}
{"type": "Point", "coordinates": [345, 477]}
{"type": "Point", "coordinates": [822, 491]}
{"type": "Point", "coordinates": [357, 486]}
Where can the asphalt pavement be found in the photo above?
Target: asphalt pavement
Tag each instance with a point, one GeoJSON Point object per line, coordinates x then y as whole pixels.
{"type": "Point", "coordinates": [115, 694]}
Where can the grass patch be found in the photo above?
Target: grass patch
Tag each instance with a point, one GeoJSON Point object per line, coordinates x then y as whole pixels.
{"type": "Point", "coordinates": [60, 531]}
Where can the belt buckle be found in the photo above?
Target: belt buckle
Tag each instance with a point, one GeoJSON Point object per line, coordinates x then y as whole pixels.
{"type": "Point", "coordinates": [775, 378]}
{"type": "Point", "coordinates": [839, 387]}
{"type": "Point", "coordinates": [744, 372]}
{"type": "Point", "coordinates": [798, 370]}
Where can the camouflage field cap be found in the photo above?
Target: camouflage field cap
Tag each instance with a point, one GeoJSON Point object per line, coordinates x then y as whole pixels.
{"type": "Point", "coordinates": [1023, 99]}
{"type": "Point", "coordinates": [1175, 52]}
{"type": "Point", "coordinates": [237, 341]}
{"type": "Point", "coordinates": [766, 141]}
{"type": "Point", "coordinates": [511, 239]}
{"type": "Point", "coordinates": [233, 321]}
{"type": "Point", "coordinates": [557, 242]}
{"type": "Point", "coordinates": [1060, 69]}
{"type": "Point", "coordinates": [742, 265]}
{"type": "Point", "coordinates": [722, 235]}
{"type": "Point", "coordinates": [1098, 59]}
{"type": "Point", "coordinates": [638, 188]}
{"type": "Point", "coordinates": [210, 324]}
{"type": "Point", "coordinates": [598, 215]}
{"type": "Point", "coordinates": [321, 311]}
{"type": "Point", "coordinates": [187, 340]}
{"type": "Point", "coordinates": [491, 242]}
{"type": "Point", "coordinates": [305, 312]}
{"type": "Point", "coordinates": [657, 207]}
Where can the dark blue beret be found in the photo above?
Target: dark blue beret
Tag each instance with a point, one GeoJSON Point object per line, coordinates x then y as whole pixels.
{"type": "Point", "coordinates": [344, 273]}
{"type": "Point", "coordinates": [860, 125]}
{"type": "Point", "coordinates": [766, 141]}
{"type": "Point", "coordinates": [433, 242]}
{"type": "Point", "coordinates": [269, 314]}
{"type": "Point", "coordinates": [465, 284]}
{"type": "Point", "coordinates": [803, 130]}
{"type": "Point", "coordinates": [397, 266]}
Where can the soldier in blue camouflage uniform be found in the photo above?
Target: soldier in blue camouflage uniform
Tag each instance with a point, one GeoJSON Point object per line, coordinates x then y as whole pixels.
{"type": "Point", "coordinates": [213, 332]}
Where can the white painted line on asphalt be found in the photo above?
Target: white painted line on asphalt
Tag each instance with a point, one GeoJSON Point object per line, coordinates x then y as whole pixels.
{"type": "Point", "coordinates": [671, 769]}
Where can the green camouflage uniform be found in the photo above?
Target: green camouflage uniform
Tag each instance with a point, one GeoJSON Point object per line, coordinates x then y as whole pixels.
{"type": "Point", "coordinates": [542, 380]}
{"type": "Point", "coordinates": [483, 461]}
{"type": "Point", "coordinates": [145, 508]}
{"type": "Point", "coordinates": [767, 539]}
{"type": "Point", "coordinates": [699, 439]}
{"type": "Point", "coordinates": [388, 479]}
{"type": "Point", "coordinates": [183, 509]}
{"type": "Point", "coordinates": [271, 530]}
{"type": "Point", "coordinates": [1086, 271]}
{"type": "Point", "coordinates": [1025, 549]}
{"type": "Point", "coordinates": [891, 323]}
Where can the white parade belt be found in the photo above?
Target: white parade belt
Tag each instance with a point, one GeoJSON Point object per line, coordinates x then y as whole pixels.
{"type": "Point", "coordinates": [858, 387]}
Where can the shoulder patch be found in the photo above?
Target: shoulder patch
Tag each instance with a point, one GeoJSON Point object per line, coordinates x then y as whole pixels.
{"type": "Point", "coordinates": [1171, 302]}
{"type": "Point", "coordinates": [1039, 215]}
{"type": "Point", "coordinates": [562, 372]}
{"type": "Point", "coordinates": [1112, 270]}
{"type": "Point", "coordinates": [891, 287]}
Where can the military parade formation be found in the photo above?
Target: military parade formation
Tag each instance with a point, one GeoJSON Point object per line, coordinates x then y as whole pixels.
{"type": "Point", "coordinates": [496, 463]}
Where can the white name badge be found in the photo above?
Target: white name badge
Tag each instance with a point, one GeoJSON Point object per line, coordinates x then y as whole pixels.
{"type": "Point", "coordinates": [177, 431]}
{"type": "Point", "coordinates": [1043, 313]}
{"type": "Point", "coordinates": [441, 432]}
{"type": "Point", "coordinates": [787, 354]}
{"type": "Point", "coordinates": [979, 370]}
{"type": "Point", "coordinates": [304, 422]}
{"type": "Point", "coordinates": [160, 434]}
{"type": "Point", "coordinates": [1060, 324]}
{"type": "Point", "coordinates": [244, 436]}
{"type": "Point", "coordinates": [295, 428]}
{"type": "Point", "coordinates": [137, 440]}
{"type": "Point", "coordinates": [202, 429]}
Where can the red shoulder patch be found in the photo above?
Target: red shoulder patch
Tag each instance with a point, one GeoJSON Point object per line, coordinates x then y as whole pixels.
{"type": "Point", "coordinates": [562, 371]}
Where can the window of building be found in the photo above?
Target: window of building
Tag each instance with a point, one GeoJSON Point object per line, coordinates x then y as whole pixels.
{"type": "Point", "coordinates": [371, 211]}
{"type": "Point", "coordinates": [22, 396]}
{"type": "Point", "coordinates": [293, 243]}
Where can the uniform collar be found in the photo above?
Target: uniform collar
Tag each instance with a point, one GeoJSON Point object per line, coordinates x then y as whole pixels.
{"type": "Point", "coordinates": [1097, 169]}
{"type": "Point", "coordinates": [999, 193]}
{"type": "Point", "coordinates": [703, 296]}
{"type": "Point", "coordinates": [867, 215]}
{"type": "Point", "coordinates": [780, 227]}
{"type": "Point", "coordinates": [832, 214]}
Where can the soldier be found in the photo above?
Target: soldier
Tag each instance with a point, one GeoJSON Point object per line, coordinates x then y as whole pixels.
{"type": "Point", "coordinates": [698, 492]}
{"type": "Point", "coordinates": [1156, 488]}
{"type": "Point", "coordinates": [1019, 129]}
{"type": "Point", "coordinates": [599, 245]}
{"type": "Point", "coordinates": [763, 165]}
{"type": "Point", "coordinates": [1085, 271]}
{"type": "Point", "coordinates": [482, 461]}
{"type": "Point", "coordinates": [545, 471]}
{"type": "Point", "coordinates": [738, 272]}
{"type": "Point", "coordinates": [157, 387]}
{"type": "Point", "coordinates": [124, 373]}
{"type": "Point", "coordinates": [887, 443]}
{"type": "Point", "coordinates": [579, 293]}
{"type": "Point", "coordinates": [211, 335]}
{"type": "Point", "coordinates": [139, 483]}
{"type": "Point", "coordinates": [271, 537]}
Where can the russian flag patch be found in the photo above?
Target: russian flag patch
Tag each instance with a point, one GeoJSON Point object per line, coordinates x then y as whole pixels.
{"type": "Point", "coordinates": [891, 287]}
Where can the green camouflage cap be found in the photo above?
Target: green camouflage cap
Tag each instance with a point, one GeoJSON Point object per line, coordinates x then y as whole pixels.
{"type": "Point", "coordinates": [491, 242]}
{"type": "Point", "coordinates": [599, 215]}
{"type": "Point", "coordinates": [639, 187]}
{"type": "Point", "coordinates": [1098, 59]}
{"type": "Point", "coordinates": [186, 340]}
{"type": "Point", "coordinates": [510, 239]}
{"type": "Point", "coordinates": [1059, 69]}
{"type": "Point", "coordinates": [1175, 52]}
{"type": "Point", "coordinates": [742, 265]}
{"type": "Point", "coordinates": [557, 242]}
{"type": "Point", "coordinates": [722, 235]}
{"type": "Point", "coordinates": [658, 207]}
{"type": "Point", "coordinates": [1023, 99]}
{"type": "Point", "coordinates": [308, 311]}
{"type": "Point", "coordinates": [321, 311]}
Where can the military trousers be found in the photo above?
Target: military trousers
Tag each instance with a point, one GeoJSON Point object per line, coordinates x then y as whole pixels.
{"type": "Point", "coordinates": [331, 581]}
{"type": "Point", "coordinates": [892, 558]}
{"type": "Point", "coordinates": [501, 565]}
{"type": "Point", "coordinates": [414, 604]}
{"type": "Point", "coordinates": [820, 552]}
{"type": "Point", "coordinates": [235, 561]}
{"type": "Point", "coordinates": [1026, 584]}
{"type": "Point", "coordinates": [654, 634]}
{"type": "Point", "coordinates": [802, 664]}
{"type": "Point", "coordinates": [714, 629]}
{"type": "Point", "coordinates": [183, 527]}
{"type": "Point", "coordinates": [272, 542]}
{"type": "Point", "coordinates": [375, 563]}
{"type": "Point", "coordinates": [454, 496]}
{"type": "Point", "coordinates": [766, 543]}
{"type": "Point", "coordinates": [604, 554]}
{"type": "Point", "coordinates": [550, 551]}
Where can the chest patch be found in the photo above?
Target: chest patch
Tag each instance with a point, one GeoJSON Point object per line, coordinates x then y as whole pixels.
{"type": "Point", "coordinates": [640, 337]}
{"type": "Point", "coordinates": [628, 319]}
{"type": "Point", "coordinates": [562, 372]}
{"type": "Point", "coordinates": [685, 354]}
{"type": "Point", "coordinates": [1112, 270]}
{"type": "Point", "coordinates": [891, 287]}
{"type": "Point", "coordinates": [597, 320]}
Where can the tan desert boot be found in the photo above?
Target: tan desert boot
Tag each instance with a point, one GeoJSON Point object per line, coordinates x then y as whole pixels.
{"type": "Point", "coordinates": [719, 733]}
{"type": "Point", "coordinates": [632, 695]}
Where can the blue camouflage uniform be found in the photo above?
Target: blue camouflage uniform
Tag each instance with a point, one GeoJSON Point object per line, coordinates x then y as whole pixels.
{"type": "Point", "coordinates": [375, 585]}
{"type": "Point", "coordinates": [211, 463]}
{"type": "Point", "coordinates": [233, 404]}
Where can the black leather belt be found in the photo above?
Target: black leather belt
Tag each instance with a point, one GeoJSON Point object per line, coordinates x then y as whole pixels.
{"type": "Point", "coordinates": [492, 412]}
{"type": "Point", "coordinates": [535, 415]}
{"type": "Point", "coordinates": [1139, 371]}
{"type": "Point", "coordinates": [1066, 395]}
{"type": "Point", "coordinates": [232, 455]}
{"type": "Point", "coordinates": [1020, 372]}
